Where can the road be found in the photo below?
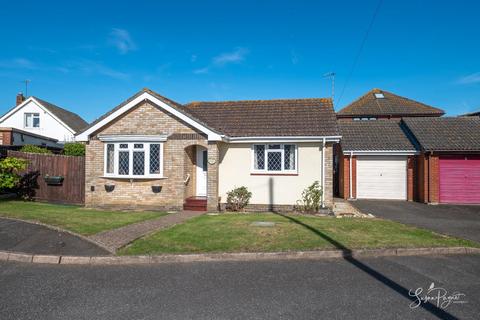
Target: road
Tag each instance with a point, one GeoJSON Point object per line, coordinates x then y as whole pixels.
{"type": "Point", "coordinates": [374, 288]}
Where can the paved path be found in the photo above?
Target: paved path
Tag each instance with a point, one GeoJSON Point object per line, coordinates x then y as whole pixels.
{"type": "Point", "coordinates": [37, 239]}
{"type": "Point", "coordinates": [117, 238]}
{"type": "Point", "coordinates": [375, 288]}
{"type": "Point", "coordinates": [456, 220]}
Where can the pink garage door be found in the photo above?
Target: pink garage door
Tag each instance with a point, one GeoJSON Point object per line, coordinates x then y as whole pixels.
{"type": "Point", "coordinates": [460, 179]}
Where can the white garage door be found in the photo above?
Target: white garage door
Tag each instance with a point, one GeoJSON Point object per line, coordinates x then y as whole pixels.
{"type": "Point", "coordinates": [382, 177]}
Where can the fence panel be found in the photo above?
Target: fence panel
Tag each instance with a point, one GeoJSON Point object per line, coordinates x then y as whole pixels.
{"type": "Point", "coordinates": [71, 168]}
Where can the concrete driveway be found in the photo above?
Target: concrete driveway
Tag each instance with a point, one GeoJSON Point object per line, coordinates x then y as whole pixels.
{"type": "Point", "coordinates": [456, 220]}
{"type": "Point", "coordinates": [32, 238]}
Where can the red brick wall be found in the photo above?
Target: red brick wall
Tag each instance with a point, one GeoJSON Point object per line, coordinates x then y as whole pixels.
{"type": "Point", "coordinates": [433, 181]}
{"type": "Point", "coordinates": [411, 177]}
{"type": "Point", "coordinates": [6, 138]}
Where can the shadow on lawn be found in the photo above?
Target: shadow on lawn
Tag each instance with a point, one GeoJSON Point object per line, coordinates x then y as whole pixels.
{"type": "Point", "coordinates": [347, 255]}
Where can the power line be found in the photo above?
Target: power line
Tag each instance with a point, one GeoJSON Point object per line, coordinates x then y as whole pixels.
{"type": "Point", "coordinates": [357, 57]}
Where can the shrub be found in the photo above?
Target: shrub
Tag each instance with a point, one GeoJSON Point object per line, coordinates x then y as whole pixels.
{"type": "Point", "coordinates": [311, 198]}
{"type": "Point", "coordinates": [34, 149]}
{"type": "Point", "coordinates": [238, 199]}
{"type": "Point", "coordinates": [74, 149]}
{"type": "Point", "coordinates": [9, 168]}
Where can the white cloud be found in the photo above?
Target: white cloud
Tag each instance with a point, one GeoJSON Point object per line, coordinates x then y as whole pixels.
{"type": "Point", "coordinates": [193, 58]}
{"type": "Point", "coordinates": [236, 56]}
{"type": "Point", "coordinates": [89, 67]}
{"type": "Point", "coordinates": [18, 63]}
{"type": "Point", "coordinates": [201, 71]}
{"type": "Point", "coordinates": [294, 57]}
{"type": "Point", "coordinates": [121, 39]}
{"type": "Point", "coordinates": [469, 79]}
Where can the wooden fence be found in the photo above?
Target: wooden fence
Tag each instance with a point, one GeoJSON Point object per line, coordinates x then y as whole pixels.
{"type": "Point", "coordinates": [72, 169]}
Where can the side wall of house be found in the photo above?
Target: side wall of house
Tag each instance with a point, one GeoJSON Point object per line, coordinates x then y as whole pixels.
{"type": "Point", "coordinates": [144, 119]}
{"type": "Point", "coordinates": [277, 190]}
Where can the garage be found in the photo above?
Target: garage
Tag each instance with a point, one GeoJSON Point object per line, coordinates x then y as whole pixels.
{"type": "Point", "coordinates": [459, 179]}
{"type": "Point", "coordinates": [382, 177]}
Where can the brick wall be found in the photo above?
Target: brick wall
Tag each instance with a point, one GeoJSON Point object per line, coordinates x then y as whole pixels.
{"type": "Point", "coordinates": [433, 179]}
{"type": "Point", "coordinates": [345, 186]}
{"type": "Point", "coordinates": [6, 137]}
{"type": "Point", "coordinates": [411, 164]}
{"type": "Point", "coordinates": [137, 194]}
{"type": "Point", "coordinates": [328, 188]}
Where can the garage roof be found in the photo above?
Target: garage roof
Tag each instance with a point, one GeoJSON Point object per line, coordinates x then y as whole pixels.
{"type": "Point", "coordinates": [446, 134]}
{"type": "Point", "coordinates": [380, 135]}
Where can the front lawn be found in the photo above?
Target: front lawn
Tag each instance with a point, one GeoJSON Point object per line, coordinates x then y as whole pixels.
{"type": "Point", "coordinates": [235, 233]}
{"type": "Point", "coordinates": [73, 218]}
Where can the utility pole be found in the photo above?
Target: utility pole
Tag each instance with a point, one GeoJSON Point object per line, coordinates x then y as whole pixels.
{"type": "Point", "coordinates": [331, 76]}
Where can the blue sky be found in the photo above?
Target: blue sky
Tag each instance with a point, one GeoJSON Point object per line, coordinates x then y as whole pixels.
{"type": "Point", "coordinates": [90, 56]}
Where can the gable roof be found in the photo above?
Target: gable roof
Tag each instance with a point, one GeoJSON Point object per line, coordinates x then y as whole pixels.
{"type": "Point", "coordinates": [380, 135]}
{"type": "Point", "coordinates": [73, 120]}
{"type": "Point", "coordinates": [446, 134]}
{"type": "Point", "coordinates": [471, 114]}
{"type": "Point", "coordinates": [254, 118]}
{"type": "Point", "coordinates": [268, 118]}
{"type": "Point", "coordinates": [390, 105]}
{"type": "Point", "coordinates": [70, 119]}
{"type": "Point", "coordinates": [160, 101]}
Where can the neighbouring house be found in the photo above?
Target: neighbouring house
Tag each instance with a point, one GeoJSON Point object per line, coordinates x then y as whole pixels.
{"type": "Point", "coordinates": [41, 118]}
{"type": "Point", "coordinates": [17, 137]}
{"type": "Point", "coordinates": [377, 161]}
{"type": "Point", "coordinates": [471, 114]}
{"type": "Point", "coordinates": [449, 163]}
{"type": "Point", "coordinates": [151, 152]}
{"type": "Point", "coordinates": [379, 104]}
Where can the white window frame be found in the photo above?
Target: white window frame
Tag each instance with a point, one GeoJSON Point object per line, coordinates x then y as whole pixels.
{"type": "Point", "coordinates": [282, 151]}
{"type": "Point", "coordinates": [131, 149]}
{"type": "Point", "coordinates": [33, 115]}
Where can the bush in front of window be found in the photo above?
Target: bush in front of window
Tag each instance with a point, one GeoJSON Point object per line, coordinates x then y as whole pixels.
{"type": "Point", "coordinates": [238, 199]}
{"type": "Point", "coordinates": [311, 200]}
{"type": "Point", "coordinates": [74, 149]}
{"type": "Point", "coordinates": [34, 149]}
{"type": "Point", "coordinates": [9, 172]}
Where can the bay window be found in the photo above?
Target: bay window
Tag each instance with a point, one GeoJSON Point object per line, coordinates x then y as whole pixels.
{"type": "Point", "coordinates": [274, 158]}
{"type": "Point", "coordinates": [134, 159]}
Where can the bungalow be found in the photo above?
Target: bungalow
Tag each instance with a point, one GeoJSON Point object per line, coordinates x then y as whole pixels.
{"type": "Point", "coordinates": [151, 152]}
{"type": "Point", "coordinates": [449, 164]}
{"type": "Point", "coordinates": [40, 118]}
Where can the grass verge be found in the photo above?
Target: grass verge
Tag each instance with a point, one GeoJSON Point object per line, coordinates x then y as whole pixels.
{"type": "Point", "coordinates": [235, 233]}
{"type": "Point", "coordinates": [74, 218]}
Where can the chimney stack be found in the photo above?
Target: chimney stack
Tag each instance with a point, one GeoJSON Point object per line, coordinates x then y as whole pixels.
{"type": "Point", "coordinates": [20, 98]}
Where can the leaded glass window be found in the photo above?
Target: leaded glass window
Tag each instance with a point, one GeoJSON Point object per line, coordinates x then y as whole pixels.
{"type": "Point", "coordinates": [274, 158]}
{"type": "Point", "coordinates": [155, 158]}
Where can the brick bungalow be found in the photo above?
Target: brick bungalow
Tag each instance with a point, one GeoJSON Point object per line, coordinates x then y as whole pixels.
{"type": "Point", "coordinates": [151, 152]}
{"type": "Point", "coordinates": [449, 163]}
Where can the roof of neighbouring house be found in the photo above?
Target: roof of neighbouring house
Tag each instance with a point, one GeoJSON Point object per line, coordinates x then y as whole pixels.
{"type": "Point", "coordinates": [282, 117]}
{"type": "Point", "coordinates": [380, 135]}
{"type": "Point", "coordinates": [254, 118]}
{"type": "Point", "coordinates": [471, 114]}
{"type": "Point", "coordinates": [446, 134]}
{"type": "Point", "coordinates": [383, 103]}
{"type": "Point", "coordinates": [73, 120]}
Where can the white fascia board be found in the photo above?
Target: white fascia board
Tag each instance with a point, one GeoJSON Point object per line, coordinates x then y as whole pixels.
{"type": "Point", "coordinates": [133, 138]}
{"type": "Point", "coordinates": [282, 139]}
{"type": "Point", "coordinates": [212, 136]}
{"type": "Point", "coordinates": [14, 110]}
{"type": "Point", "coordinates": [381, 152]}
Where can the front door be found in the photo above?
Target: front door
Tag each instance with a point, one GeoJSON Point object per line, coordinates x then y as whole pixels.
{"type": "Point", "coordinates": [201, 172]}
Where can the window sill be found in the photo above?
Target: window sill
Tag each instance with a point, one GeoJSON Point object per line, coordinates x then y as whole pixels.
{"type": "Point", "coordinates": [134, 177]}
{"type": "Point", "coordinates": [274, 174]}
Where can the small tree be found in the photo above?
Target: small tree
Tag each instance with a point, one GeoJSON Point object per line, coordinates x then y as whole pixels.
{"type": "Point", "coordinates": [74, 149]}
{"type": "Point", "coordinates": [238, 199]}
{"type": "Point", "coordinates": [34, 149]}
{"type": "Point", "coordinates": [9, 168]}
{"type": "Point", "coordinates": [311, 198]}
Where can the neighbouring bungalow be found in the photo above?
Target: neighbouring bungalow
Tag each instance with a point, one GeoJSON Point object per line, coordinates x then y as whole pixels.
{"type": "Point", "coordinates": [151, 152]}
{"type": "Point", "coordinates": [449, 163]}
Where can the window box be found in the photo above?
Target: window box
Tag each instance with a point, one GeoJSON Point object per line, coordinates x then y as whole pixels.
{"type": "Point", "coordinates": [53, 180]}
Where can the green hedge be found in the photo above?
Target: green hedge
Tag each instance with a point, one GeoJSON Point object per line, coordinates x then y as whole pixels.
{"type": "Point", "coordinates": [34, 149]}
{"type": "Point", "coordinates": [74, 149]}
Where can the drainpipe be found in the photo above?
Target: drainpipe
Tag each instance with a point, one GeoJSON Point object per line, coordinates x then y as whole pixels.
{"type": "Point", "coordinates": [323, 173]}
{"type": "Point", "coordinates": [350, 174]}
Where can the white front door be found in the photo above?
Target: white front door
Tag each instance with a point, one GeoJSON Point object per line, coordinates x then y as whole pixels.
{"type": "Point", "coordinates": [201, 171]}
{"type": "Point", "coordinates": [382, 177]}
